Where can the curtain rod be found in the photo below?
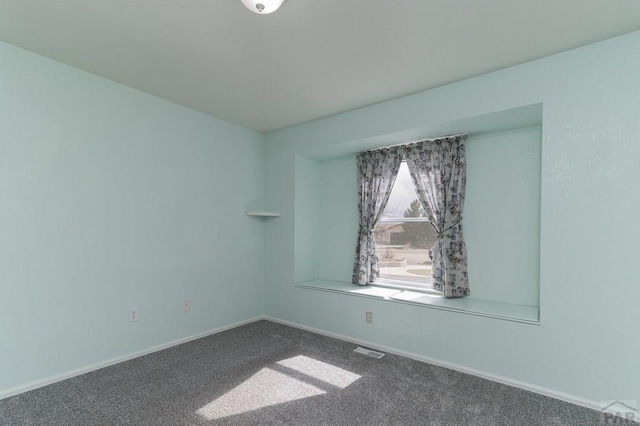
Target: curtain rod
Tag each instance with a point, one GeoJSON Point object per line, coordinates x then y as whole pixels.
{"type": "Point", "coordinates": [416, 141]}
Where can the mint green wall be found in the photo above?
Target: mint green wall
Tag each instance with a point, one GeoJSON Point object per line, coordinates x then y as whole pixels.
{"type": "Point", "coordinates": [586, 345]}
{"type": "Point", "coordinates": [307, 215]}
{"type": "Point", "coordinates": [112, 199]}
{"type": "Point", "coordinates": [337, 227]}
{"type": "Point", "coordinates": [502, 215]}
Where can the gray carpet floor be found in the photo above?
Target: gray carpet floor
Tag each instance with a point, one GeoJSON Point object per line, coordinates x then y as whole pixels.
{"type": "Point", "coordinates": [265, 373]}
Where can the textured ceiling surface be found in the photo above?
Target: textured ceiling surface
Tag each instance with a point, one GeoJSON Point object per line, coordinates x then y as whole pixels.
{"type": "Point", "coordinates": [309, 59]}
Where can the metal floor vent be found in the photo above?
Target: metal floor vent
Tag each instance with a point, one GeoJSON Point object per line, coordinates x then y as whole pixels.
{"type": "Point", "coordinates": [369, 352]}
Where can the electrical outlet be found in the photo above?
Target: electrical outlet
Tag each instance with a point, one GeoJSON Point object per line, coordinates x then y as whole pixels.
{"type": "Point", "coordinates": [368, 317]}
{"type": "Point", "coordinates": [133, 315]}
{"type": "Point", "coordinates": [186, 305]}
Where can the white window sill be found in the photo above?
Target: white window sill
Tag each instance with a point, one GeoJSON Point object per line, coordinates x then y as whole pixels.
{"type": "Point", "coordinates": [407, 286]}
{"type": "Point", "coordinates": [466, 305]}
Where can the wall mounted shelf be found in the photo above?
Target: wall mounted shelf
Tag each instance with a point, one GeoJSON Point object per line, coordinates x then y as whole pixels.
{"type": "Point", "coordinates": [263, 214]}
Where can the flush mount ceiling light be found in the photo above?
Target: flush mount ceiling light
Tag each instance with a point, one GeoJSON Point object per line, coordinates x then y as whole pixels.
{"type": "Point", "coordinates": [263, 7]}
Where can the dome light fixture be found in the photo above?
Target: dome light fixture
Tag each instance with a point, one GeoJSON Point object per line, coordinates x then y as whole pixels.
{"type": "Point", "coordinates": [262, 7]}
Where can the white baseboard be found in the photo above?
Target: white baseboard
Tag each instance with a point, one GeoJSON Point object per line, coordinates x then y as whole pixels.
{"type": "Point", "coordinates": [97, 366]}
{"type": "Point", "coordinates": [478, 373]}
{"type": "Point", "coordinates": [594, 405]}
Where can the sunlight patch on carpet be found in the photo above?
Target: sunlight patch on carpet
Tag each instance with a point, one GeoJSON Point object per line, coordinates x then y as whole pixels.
{"type": "Point", "coordinates": [265, 388]}
{"type": "Point", "coordinates": [328, 373]}
{"type": "Point", "coordinates": [269, 387]}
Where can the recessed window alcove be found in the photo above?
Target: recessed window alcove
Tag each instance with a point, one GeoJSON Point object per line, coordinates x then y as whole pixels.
{"type": "Point", "coordinates": [501, 215]}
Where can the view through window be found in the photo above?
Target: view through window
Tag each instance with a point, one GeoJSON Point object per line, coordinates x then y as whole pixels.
{"type": "Point", "coordinates": [404, 235]}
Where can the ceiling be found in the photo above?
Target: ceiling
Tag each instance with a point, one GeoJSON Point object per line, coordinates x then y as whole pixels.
{"type": "Point", "coordinates": [308, 60]}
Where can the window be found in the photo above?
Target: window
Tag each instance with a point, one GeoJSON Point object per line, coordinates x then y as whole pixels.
{"type": "Point", "coordinates": [404, 236]}
{"type": "Point", "coordinates": [437, 167]}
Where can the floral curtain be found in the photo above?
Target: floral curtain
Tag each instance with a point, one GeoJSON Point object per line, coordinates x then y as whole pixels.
{"type": "Point", "coordinates": [377, 171]}
{"type": "Point", "coordinates": [438, 170]}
